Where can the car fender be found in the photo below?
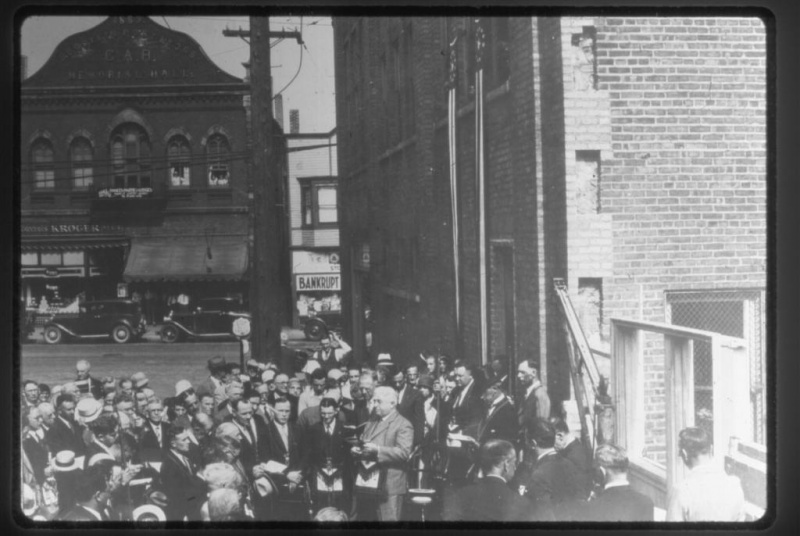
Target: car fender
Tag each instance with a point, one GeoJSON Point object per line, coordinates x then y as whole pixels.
{"type": "Point", "coordinates": [62, 327]}
{"type": "Point", "coordinates": [180, 327]}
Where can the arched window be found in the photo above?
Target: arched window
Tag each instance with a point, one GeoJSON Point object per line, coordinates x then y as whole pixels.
{"type": "Point", "coordinates": [218, 151]}
{"type": "Point", "coordinates": [80, 153]}
{"type": "Point", "coordinates": [179, 158]}
{"type": "Point", "coordinates": [130, 157]}
{"type": "Point", "coordinates": [43, 172]}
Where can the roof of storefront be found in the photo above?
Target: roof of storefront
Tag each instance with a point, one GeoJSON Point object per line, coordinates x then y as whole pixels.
{"type": "Point", "coordinates": [219, 258]}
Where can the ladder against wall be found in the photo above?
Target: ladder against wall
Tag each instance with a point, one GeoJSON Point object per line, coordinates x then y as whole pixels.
{"type": "Point", "coordinates": [652, 386]}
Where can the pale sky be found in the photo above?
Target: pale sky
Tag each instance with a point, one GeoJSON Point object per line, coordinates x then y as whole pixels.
{"type": "Point", "coordinates": [312, 92]}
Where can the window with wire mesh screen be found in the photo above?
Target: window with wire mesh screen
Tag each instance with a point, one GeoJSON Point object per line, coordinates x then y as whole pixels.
{"type": "Point", "coordinates": [735, 313]}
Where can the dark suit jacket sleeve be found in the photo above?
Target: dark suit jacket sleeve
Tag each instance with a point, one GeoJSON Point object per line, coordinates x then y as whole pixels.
{"type": "Point", "coordinates": [418, 418]}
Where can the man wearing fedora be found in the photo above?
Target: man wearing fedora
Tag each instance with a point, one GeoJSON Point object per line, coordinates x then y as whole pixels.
{"type": "Point", "coordinates": [185, 491]}
{"type": "Point", "coordinates": [66, 433]}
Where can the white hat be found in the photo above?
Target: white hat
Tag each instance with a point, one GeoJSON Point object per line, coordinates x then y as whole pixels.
{"type": "Point", "coordinates": [65, 461]}
{"type": "Point", "coordinates": [139, 380]}
{"type": "Point", "coordinates": [182, 386]}
{"type": "Point", "coordinates": [335, 374]}
{"type": "Point", "coordinates": [88, 409]}
{"type": "Point", "coordinates": [311, 366]}
{"type": "Point", "coordinates": [268, 375]}
{"type": "Point", "coordinates": [384, 358]}
{"type": "Point", "coordinates": [29, 505]}
{"type": "Point", "coordinates": [148, 510]}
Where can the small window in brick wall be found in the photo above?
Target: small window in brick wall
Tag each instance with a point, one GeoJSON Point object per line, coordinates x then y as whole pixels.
{"type": "Point", "coordinates": [584, 59]}
{"type": "Point", "coordinates": [587, 181]}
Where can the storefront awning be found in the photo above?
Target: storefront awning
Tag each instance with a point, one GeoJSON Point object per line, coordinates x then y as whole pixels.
{"type": "Point", "coordinates": [49, 243]}
{"type": "Point", "coordinates": [186, 260]}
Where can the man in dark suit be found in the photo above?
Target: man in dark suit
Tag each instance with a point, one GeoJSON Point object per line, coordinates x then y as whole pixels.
{"type": "Point", "coordinates": [410, 404]}
{"type": "Point", "coordinates": [105, 440]}
{"type": "Point", "coordinates": [490, 498]}
{"type": "Point", "coordinates": [255, 435]}
{"type": "Point", "coordinates": [499, 373]}
{"type": "Point", "coordinates": [551, 482]}
{"type": "Point", "coordinates": [283, 447]}
{"type": "Point", "coordinates": [234, 392]}
{"type": "Point", "coordinates": [282, 390]}
{"type": "Point", "coordinates": [617, 501]}
{"type": "Point", "coordinates": [153, 442]}
{"type": "Point", "coordinates": [93, 492]}
{"type": "Point", "coordinates": [571, 448]}
{"type": "Point", "coordinates": [467, 407]}
{"type": "Point", "coordinates": [66, 434]}
{"type": "Point", "coordinates": [185, 491]}
{"type": "Point", "coordinates": [327, 458]}
{"type": "Point", "coordinates": [500, 419]}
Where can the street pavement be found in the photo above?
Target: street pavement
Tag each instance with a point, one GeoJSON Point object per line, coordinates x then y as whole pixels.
{"type": "Point", "coordinates": [164, 364]}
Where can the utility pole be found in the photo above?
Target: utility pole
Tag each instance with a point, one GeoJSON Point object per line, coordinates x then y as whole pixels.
{"type": "Point", "coordinates": [266, 291]}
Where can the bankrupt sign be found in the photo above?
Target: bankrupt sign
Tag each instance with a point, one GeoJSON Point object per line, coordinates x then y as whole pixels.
{"type": "Point", "coordinates": [319, 282]}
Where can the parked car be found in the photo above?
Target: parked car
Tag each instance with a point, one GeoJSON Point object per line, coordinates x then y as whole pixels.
{"type": "Point", "coordinates": [212, 318]}
{"type": "Point", "coordinates": [318, 324]}
{"type": "Point", "coordinates": [122, 320]}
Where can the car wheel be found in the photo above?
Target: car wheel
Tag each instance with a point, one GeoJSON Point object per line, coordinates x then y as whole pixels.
{"type": "Point", "coordinates": [121, 334]}
{"type": "Point", "coordinates": [52, 335]}
{"type": "Point", "coordinates": [169, 334]}
{"type": "Point", "coordinates": [315, 331]}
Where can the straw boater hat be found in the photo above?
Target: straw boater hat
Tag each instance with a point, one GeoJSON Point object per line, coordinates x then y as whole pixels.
{"type": "Point", "coordinates": [147, 511]}
{"type": "Point", "coordinates": [384, 359]}
{"type": "Point", "coordinates": [335, 374]}
{"type": "Point", "coordinates": [88, 410]}
{"type": "Point", "coordinates": [100, 456]}
{"type": "Point", "coordinates": [311, 366]}
{"type": "Point", "coordinates": [65, 461]}
{"type": "Point", "coordinates": [139, 380]}
{"type": "Point", "coordinates": [182, 386]}
{"type": "Point", "coordinates": [29, 505]}
{"type": "Point", "coordinates": [268, 375]}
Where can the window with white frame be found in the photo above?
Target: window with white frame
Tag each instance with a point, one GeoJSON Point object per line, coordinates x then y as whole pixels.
{"type": "Point", "coordinates": [80, 152]}
{"type": "Point", "coordinates": [43, 171]}
{"type": "Point", "coordinates": [319, 204]}
{"type": "Point", "coordinates": [218, 152]}
{"type": "Point", "coordinates": [179, 156]}
{"type": "Point", "coordinates": [130, 157]}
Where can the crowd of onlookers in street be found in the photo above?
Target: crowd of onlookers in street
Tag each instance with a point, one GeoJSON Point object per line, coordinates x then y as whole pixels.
{"type": "Point", "coordinates": [321, 437]}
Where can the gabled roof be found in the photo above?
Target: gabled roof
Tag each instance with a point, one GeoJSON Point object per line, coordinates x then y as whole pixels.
{"type": "Point", "coordinates": [128, 52]}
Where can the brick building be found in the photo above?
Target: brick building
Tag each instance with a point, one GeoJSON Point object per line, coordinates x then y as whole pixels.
{"type": "Point", "coordinates": [135, 175]}
{"type": "Point", "coordinates": [625, 155]}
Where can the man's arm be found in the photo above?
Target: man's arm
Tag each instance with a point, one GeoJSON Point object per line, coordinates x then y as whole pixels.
{"type": "Point", "coordinates": [542, 403]}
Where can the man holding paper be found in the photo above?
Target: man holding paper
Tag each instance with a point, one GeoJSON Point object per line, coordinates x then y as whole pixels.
{"type": "Point", "coordinates": [385, 448]}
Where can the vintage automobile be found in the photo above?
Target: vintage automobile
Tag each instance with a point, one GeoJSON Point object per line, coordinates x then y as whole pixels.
{"type": "Point", "coordinates": [122, 320]}
{"type": "Point", "coordinates": [212, 318]}
{"type": "Point", "coordinates": [318, 324]}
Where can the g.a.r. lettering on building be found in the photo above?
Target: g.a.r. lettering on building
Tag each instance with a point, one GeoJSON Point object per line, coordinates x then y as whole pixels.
{"type": "Point", "coordinates": [127, 74]}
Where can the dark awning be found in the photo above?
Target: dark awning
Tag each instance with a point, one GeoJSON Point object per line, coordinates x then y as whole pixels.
{"type": "Point", "coordinates": [186, 260]}
{"type": "Point", "coordinates": [49, 243]}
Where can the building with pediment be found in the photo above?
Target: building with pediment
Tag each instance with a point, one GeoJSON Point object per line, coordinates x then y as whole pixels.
{"type": "Point", "coordinates": [135, 178]}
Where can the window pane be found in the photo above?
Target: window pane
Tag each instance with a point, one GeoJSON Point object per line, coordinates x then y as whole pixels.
{"type": "Point", "coordinates": [30, 259]}
{"type": "Point", "coordinates": [82, 177]}
{"type": "Point", "coordinates": [326, 201]}
{"type": "Point", "coordinates": [73, 258]}
{"type": "Point", "coordinates": [51, 259]}
{"type": "Point", "coordinates": [179, 174]}
{"type": "Point", "coordinates": [116, 152]}
{"type": "Point", "coordinates": [328, 215]}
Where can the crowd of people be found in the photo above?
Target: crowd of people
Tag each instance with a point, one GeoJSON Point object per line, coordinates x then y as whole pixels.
{"type": "Point", "coordinates": [321, 437]}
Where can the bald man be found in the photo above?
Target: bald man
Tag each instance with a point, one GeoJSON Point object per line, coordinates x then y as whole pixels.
{"type": "Point", "coordinates": [387, 439]}
{"type": "Point", "coordinates": [85, 382]}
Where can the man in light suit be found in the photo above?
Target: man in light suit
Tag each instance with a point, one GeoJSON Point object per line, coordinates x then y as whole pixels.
{"type": "Point", "coordinates": [388, 439]}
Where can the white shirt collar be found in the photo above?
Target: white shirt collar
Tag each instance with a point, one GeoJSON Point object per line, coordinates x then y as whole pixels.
{"type": "Point", "coordinates": [534, 385]}
{"type": "Point", "coordinates": [498, 476]}
{"type": "Point", "coordinates": [94, 512]}
{"type": "Point", "coordinates": [617, 484]}
{"type": "Point", "coordinates": [105, 448]}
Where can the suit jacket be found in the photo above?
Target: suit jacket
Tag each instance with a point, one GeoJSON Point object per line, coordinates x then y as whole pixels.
{"type": "Point", "coordinates": [581, 457]}
{"type": "Point", "coordinates": [319, 447]}
{"type": "Point", "coordinates": [185, 491]}
{"type": "Point", "coordinates": [148, 442]}
{"type": "Point", "coordinates": [467, 413]}
{"type": "Point", "coordinates": [36, 450]}
{"type": "Point", "coordinates": [257, 451]}
{"type": "Point", "coordinates": [535, 405]}
{"type": "Point", "coordinates": [488, 499]}
{"type": "Point", "coordinates": [412, 407]}
{"type": "Point", "coordinates": [91, 385]}
{"type": "Point", "coordinates": [276, 450]}
{"type": "Point", "coordinates": [618, 503]}
{"type": "Point", "coordinates": [502, 424]}
{"type": "Point", "coordinates": [551, 483]}
{"type": "Point", "coordinates": [394, 437]}
{"type": "Point", "coordinates": [61, 437]}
